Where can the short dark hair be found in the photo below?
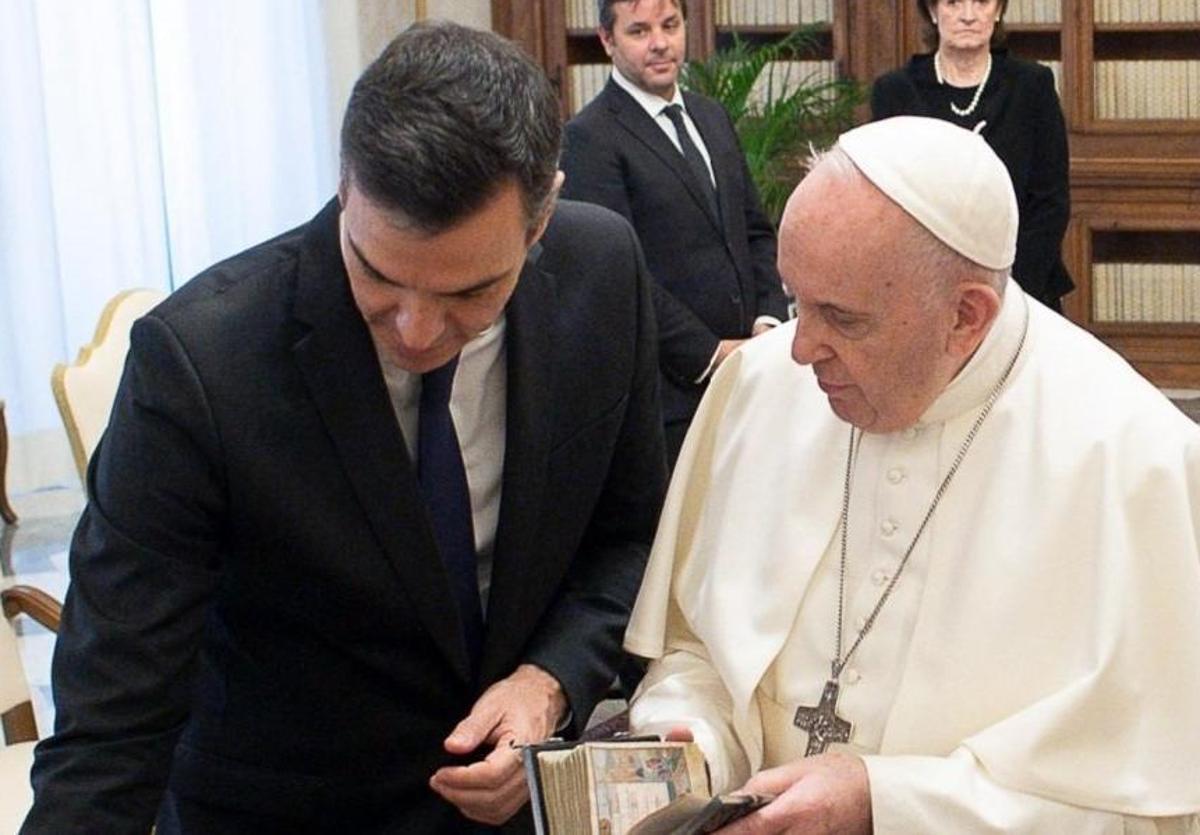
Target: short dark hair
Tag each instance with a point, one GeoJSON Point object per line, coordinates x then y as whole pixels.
{"type": "Point", "coordinates": [442, 119]}
{"type": "Point", "coordinates": [929, 32]}
{"type": "Point", "coordinates": [608, 17]}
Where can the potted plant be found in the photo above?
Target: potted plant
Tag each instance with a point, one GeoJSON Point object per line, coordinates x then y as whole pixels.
{"type": "Point", "coordinates": [780, 106]}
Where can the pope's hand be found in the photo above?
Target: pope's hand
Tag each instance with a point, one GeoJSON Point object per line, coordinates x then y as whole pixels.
{"type": "Point", "coordinates": [679, 733]}
{"type": "Point", "coordinates": [823, 794]}
{"type": "Point", "coordinates": [525, 707]}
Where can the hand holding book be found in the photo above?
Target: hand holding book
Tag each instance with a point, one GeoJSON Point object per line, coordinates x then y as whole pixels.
{"type": "Point", "coordinates": [626, 786]}
{"type": "Point", "coordinates": [526, 705]}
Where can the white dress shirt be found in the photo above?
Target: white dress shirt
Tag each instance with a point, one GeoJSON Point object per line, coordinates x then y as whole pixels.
{"type": "Point", "coordinates": [477, 404]}
{"type": "Point", "coordinates": [656, 109]}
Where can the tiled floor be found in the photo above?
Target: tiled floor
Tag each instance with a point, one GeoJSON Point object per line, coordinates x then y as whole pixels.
{"type": "Point", "coordinates": [35, 552]}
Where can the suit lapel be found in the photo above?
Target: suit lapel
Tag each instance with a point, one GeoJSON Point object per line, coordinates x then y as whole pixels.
{"type": "Point", "coordinates": [634, 119]}
{"type": "Point", "coordinates": [340, 366]}
{"type": "Point", "coordinates": [516, 589]}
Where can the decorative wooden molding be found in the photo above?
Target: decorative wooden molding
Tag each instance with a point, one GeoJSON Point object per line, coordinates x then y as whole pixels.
{"type": "Point", "coordinates": [1145, 172]}
{"type": "Point", "coordinates": [1129, 175]}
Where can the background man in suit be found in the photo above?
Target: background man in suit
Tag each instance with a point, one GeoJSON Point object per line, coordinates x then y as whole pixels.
{"type": "Point", "coordinates": [670, 162]}
{"type": "Point", "coordinates": [273, 625]}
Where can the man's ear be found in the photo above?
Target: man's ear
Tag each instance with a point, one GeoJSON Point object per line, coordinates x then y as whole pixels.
{"type": "Point", "coordinates": [606, 40]}
{"type": "Point", "coordinates": [977, 307]}
{"type": "Point", "coordinates": [547, 208]}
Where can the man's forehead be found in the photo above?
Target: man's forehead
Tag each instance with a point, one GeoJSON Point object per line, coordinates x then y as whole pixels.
{"type": "Point", "coordinates": [485, 247]}
{"type": "Point", "coordinates": [840, 243]}
{"type": "Point", "coordinates": [833, 205]}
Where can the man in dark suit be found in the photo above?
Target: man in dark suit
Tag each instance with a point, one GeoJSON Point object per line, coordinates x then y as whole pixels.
{"type": "Point", "coordinates": [670, 162]}
{"type": "Point", "coordinates": [273, 623]}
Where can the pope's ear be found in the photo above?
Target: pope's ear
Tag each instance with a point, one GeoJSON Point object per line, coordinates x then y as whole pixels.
{"type": "Point", "coordinates": [978, 306]}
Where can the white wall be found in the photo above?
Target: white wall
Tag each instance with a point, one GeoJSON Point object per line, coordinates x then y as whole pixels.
{"type": "Point", "coordinates": [358, 31]}
{"type": "Point", "coordinates": [476, 13]}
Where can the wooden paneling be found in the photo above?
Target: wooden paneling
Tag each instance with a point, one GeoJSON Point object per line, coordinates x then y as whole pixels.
{"type": "Point", "coordinates": [1138, 177]}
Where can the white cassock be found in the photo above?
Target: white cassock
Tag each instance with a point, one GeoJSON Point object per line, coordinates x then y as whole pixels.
{"type": "Point", "coordinates": [1037, 667]}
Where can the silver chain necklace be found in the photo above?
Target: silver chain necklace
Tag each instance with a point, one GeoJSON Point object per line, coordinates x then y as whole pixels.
{"type": "Point", "coordinates": [822, 722]}
{"type": "Point", "coordinates": [970, 108]}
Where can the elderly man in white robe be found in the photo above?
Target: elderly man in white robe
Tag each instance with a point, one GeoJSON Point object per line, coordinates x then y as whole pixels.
{"type": "Point", "coordinates": [930, 561]}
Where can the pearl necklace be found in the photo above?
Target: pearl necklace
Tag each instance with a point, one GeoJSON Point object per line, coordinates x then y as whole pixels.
{"type": "Point", "coordinates": [970, 108]}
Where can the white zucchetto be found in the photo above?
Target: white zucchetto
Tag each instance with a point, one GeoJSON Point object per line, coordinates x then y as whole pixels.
{"type": "Point", "coordinates": [947, 178]}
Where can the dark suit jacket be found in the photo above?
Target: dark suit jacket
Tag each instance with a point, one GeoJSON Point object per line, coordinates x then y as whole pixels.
{"type": "Point", "coordinates": [1026, 130]}
{"type": "Point", "coordinates": [718, 275]}
{"type": "Point", "coordinates": [258, 618]}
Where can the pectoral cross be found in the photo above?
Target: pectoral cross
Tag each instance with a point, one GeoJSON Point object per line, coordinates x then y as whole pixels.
{"type": "Point", "coordinates": [822, 722]}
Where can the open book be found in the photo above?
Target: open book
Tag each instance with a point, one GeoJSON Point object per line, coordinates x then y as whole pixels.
{"type": "Point", "coordinates": [631, 786]}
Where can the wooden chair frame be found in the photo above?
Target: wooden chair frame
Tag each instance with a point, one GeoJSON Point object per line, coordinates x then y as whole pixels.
{"type": "Point", "coordinates": [18, 723]}
{"type": "Point", "coordinates": [6, 512]}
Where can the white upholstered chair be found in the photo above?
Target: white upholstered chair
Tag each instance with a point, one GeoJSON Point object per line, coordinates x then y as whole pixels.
{"type": "Point", "coordinates": [84, 390]}
{"type": "Point", "coordinates": [16, 709]}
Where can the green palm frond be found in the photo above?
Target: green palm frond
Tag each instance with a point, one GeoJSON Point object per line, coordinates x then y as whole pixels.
{"type": "Point", "coordinates": [778, 118]}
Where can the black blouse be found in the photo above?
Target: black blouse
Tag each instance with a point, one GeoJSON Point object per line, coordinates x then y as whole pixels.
{"type": "Point", "coordinates": [1023, 123]}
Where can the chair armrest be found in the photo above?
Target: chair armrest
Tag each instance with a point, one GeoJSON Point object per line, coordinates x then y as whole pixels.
{"type": "Point", "coordinates": [34, 602]}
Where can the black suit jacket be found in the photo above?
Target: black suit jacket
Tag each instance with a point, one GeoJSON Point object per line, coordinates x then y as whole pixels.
{"type": "Point", "coordinates": [1026, 130]}
{"type": "Point", "coordinates": [715, 275]}
{"type": "Point", "coordinates": [258, 618]}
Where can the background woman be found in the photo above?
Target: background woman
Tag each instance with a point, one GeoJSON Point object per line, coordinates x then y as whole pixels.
{"type": "Point", "coordinates": [970, 81]}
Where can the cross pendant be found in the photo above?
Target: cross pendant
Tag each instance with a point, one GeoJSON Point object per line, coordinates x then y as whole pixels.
{"type": "Point", "coordinates": [822, 722]}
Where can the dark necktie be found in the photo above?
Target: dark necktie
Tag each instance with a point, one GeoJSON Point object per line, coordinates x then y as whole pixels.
{"type": "Point", "coordinates": [444, 484]}
{"type": "Point", "coordinates": [691, 153]}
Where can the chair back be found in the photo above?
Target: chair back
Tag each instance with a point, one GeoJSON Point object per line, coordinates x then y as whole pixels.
{"type": "Point", "coordinates": [84, 390]}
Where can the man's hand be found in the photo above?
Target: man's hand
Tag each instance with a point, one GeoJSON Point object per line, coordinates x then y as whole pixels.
{"type": "Point", "coordinates": [525, 707]}
{"type": "Point", "coordinates": [823, 794]}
